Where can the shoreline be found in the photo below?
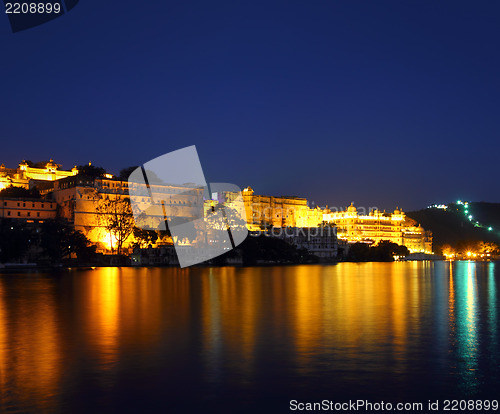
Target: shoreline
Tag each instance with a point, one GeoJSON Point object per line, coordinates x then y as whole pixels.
{"type": "Point", "coordinates": [12, 268]}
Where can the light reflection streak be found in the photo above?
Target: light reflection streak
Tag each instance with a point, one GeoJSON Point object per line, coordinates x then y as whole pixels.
{"type": "Point", "coordinates": [464, 319]}
{"type": "Point", "coordinates": [103, 317]}
{"type": "Point", "coordinates": [492, 309]}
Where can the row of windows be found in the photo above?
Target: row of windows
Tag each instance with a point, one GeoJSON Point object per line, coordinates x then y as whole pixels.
{"type": "Point", "coordinates": [28, 214]}
{"type": "Point", "coordinates": [24, 204]}
{"type": "Point", "coordinates": [170, 202]}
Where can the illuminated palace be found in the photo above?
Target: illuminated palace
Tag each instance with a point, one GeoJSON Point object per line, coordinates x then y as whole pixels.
{"type": "Point", "coordinates": [377, 226]}
{"type": "Point", "coordinates": [268, 211]}
{"type": "Point", "coordinates": [25, 174]}
{"type": "Point", "coordinates": [76, 197]}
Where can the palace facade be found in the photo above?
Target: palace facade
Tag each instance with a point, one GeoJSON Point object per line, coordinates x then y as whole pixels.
{"type": "Point", "coordinates": [377, 226]}
{"type": "Point", "coordinates": [262, 212]}
{"type": "Point", "coordinates": [77, 197]}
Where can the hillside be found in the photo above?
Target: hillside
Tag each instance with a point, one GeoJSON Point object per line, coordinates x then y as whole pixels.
{"type": "Point", "coordinates": [460, 222]}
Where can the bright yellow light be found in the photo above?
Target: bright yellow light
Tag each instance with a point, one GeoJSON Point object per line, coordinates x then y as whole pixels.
{"type": "Point", "coordinates": [469, 254]}
{"type": "Point", "coordinates": [108, 241]}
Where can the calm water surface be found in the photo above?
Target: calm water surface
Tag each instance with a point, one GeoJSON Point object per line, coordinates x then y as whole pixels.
{"type": "Point", "coordinates": [172, 340]}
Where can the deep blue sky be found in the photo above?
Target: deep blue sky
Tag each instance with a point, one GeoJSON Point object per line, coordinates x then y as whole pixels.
{"type": "Point", "coordinates": [381, 103]}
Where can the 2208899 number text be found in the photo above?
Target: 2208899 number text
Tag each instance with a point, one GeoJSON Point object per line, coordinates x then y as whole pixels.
{"type": "Point", "coordinates": [32, 8]}
{"type": "Point", "coordinates": [470, 405]}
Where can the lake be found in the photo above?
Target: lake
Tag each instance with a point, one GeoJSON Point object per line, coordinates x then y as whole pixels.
{"type": "Point", "coordinates": [247, 339]}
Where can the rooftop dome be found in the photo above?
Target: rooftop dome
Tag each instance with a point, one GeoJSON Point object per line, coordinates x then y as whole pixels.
{"type": "Point", "coordinates": [351, 208]}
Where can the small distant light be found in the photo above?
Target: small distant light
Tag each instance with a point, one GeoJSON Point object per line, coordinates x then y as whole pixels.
{"type": "Point", "coordinates": [470, 217]}
{"type": "Point", "coordinates": [490, 228]}
{"type": "Point", "coordinates": [459, 202]}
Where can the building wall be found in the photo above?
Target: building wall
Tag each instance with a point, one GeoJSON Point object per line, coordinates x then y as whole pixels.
{"type": "Point", "coordinates": [27, 209]}
{"type": "Point", "coordinates": [79, 197]}
{"type": "Point", "coordinates": [264, 211]}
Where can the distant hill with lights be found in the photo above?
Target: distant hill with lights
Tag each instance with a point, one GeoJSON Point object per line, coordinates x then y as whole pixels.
{"type": "Point", "coordinates": [461, 221]}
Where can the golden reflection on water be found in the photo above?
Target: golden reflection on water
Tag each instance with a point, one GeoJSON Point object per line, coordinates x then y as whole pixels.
{"type": "Point", "coordinates": [229, 314]}
{"type": "Point", "coordinates": [350, 318]}
{"type": "Point", "coordinates": [102, 319]}
{"type": "Point", "coordinates": [355, 310]}
{"type": "Point", "coordinates": [30, 340]}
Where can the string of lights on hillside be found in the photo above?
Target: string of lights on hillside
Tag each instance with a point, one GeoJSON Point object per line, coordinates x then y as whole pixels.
{"type": "Point", "coordinates": [469, 216]}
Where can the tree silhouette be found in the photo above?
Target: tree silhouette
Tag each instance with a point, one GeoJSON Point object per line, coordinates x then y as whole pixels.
{"type": "Point", "coordinates": [116, 217]}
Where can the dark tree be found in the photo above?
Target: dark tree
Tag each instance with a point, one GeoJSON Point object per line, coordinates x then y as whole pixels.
{"type": "Point", "coordinates": [359, 252]}
{"type": "Point", "coordinates": [19, 192]}
{"type": "Point", "coordinates": [91, 171]}
{"type": "Point", "coordinates": [15, 240]}
{"type": "Point", "coordinates": [145, 237]}
{"type": "Point", "coordinates": [384, 251]}
{"type": "Point", "coordinates": [125, 172]}
{"type": "Point", "coordinates": [59, 240]}
{"type": "Point", "coordinates": [116, 216]}
{"type": "Point", "coordinates": [272, 249]}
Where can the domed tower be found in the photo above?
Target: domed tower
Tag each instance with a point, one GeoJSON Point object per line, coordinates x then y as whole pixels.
{"type": "Point", "coordinates": [50, 166]}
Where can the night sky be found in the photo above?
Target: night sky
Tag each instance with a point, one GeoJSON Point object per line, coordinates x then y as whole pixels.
{"type": "Point", "coordinates": [383, 103]}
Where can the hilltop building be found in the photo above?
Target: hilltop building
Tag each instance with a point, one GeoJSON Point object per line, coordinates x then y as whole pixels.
{"type": "Point", "coordinates": [25, 175]}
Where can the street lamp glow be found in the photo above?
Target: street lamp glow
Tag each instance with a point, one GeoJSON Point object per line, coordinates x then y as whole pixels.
{"type": "Point", "coordinates": [490, 228]}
